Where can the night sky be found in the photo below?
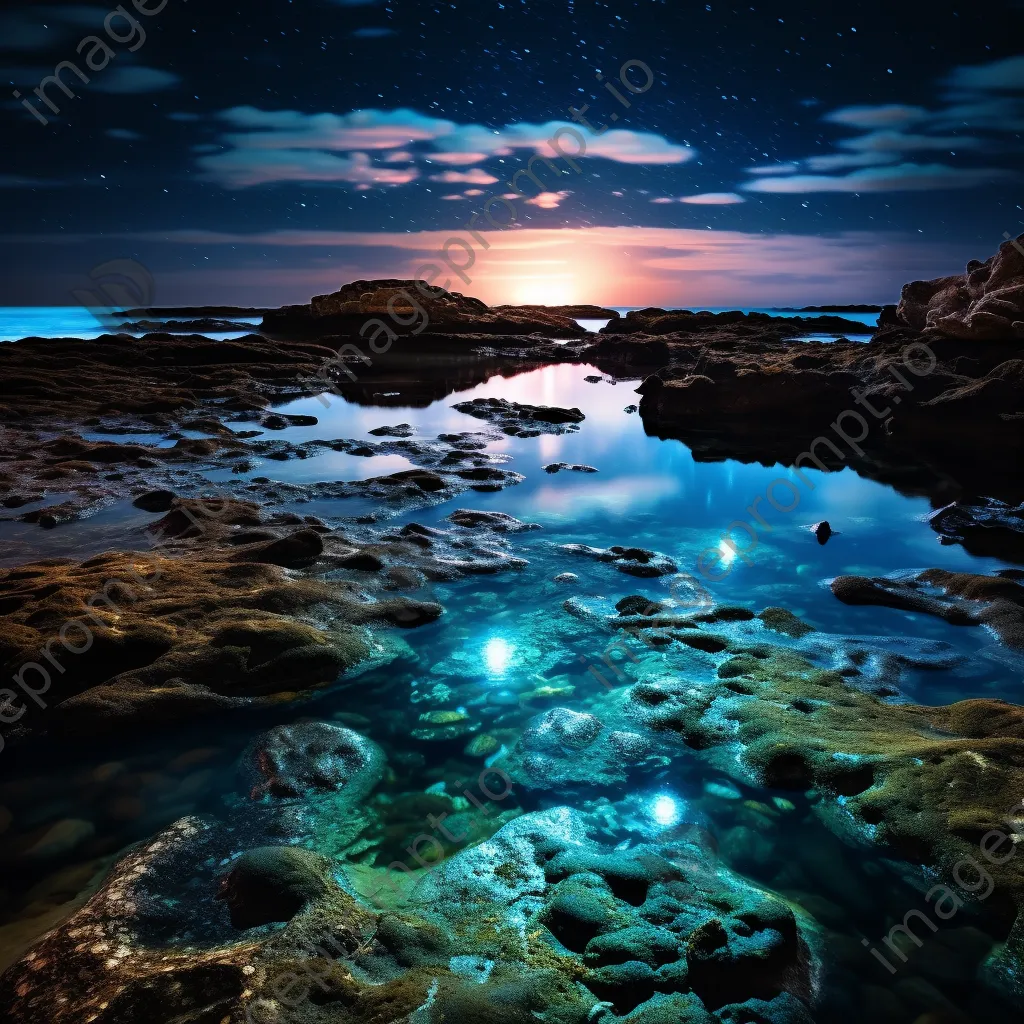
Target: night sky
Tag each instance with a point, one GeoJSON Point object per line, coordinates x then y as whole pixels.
{"type": "Point", "coordinates": [260, 152]}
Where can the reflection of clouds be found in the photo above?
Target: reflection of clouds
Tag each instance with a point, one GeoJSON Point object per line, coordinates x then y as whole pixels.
{"type": "Point", "coordinates": [550, 447]}
{"type": "Point", "coordinates": [618, 495]}
{"type": "Point", "coordinates": [339, 466]}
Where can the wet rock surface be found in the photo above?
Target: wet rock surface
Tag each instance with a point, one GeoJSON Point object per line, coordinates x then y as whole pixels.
{"type": "Point", "coordinates": [632, 561]}
{"type": "Point", "coordinates": [522, 420]}
{"type": "Point", "coordinates": [962, 599]}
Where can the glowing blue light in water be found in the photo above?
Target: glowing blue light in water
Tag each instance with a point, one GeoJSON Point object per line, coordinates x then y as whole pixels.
{"type": "Point", "coordinates": [497, 655]}
{"type": "Point", "coordinates": [666, 810]}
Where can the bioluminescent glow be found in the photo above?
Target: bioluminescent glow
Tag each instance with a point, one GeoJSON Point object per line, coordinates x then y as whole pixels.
{"type": "Point", "coordinates": [497, 655]}
{"type": "Point", "coordinates": [665, 810]}
{"type": "Point", "coordinates": [728, 552]}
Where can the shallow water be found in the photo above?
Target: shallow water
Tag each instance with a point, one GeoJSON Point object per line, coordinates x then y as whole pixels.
{"type": "Point", "coordinates": [75, 322]}
{"type": "Point", "coordinates": [497, 638]}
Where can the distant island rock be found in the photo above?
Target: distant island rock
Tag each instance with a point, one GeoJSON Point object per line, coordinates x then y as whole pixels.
{"type": "Point", "coordinates": [654, 320]}
{"type": "Point", "coordinates": [203, 325]}
{"type": "Point", "coordinates": [406, 305]}
{"type": "Point", "coordinates": [856, 308]}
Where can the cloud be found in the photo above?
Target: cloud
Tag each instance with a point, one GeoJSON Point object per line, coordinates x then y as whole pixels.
{"type": "Point", "coordinates": [900, 178]}
{"type": "Point", "coordinates": [891, 115]}
{"type": "Point", "coordinates": [548, 200]}
{"type": "Point", "coordinates": [977, 112]}
{"type": "Point", "coordinates": [774, 169]}
{"type": "Point", "coordinates": [989, 113]}
{"type": "Point", "coordinates": [476, 176]}
{"type": "Point", "coordinates": [123, 133]}
{"type": "Point", "coordinates": [841, 161]}
{"type": "Point", "coordinates": [373, 33]}
{"type": "Point", "coordinates": [884, 147]}
{"type": "Point", "coordinates": [1000, 74]}
{"type": "Point", "coordinates": [897, 142]}
{"type": "Point", "coordinates": [134, 78]}
{"type": "Point", "coordinates": [17, 181]}
{"type": "Point", "coordinates": [359, 130]}
{"type": "Point", "coordinates": [620, 145]}
{"type": "Point", "coordinates": [440, 141]}
{"type": "Point", "coordinates": [242, 168]}
{"type": "Point", "coordinates": [713, 199]}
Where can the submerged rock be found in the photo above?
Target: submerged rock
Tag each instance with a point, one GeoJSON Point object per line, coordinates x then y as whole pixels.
{"type": "Point", "coordinates": [571, 752]}
{"type": "Point", "coordinates": [925, 783]}
{"type": "Point", "coordinates": [961, 599]}
{"type": "Point", "coordinates": [273, 884]}
{"type": "Point", "coordinates": [298, 761]}
{"type": "Point", "coordinates": [497, 521]}
{"type": "Point", "coordinates": [632, 561]}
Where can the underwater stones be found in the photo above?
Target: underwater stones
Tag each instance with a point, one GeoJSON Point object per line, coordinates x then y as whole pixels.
{"type": "Point", "coordinates": [482, 745]}
{"type": "Point", "coordinates": [518, 419]}
{"type": "Point", "coordinates": [302, 760]}
{"type": "Point", "coordinates": [632, 561]}
{"type": "Point", "coordinates": [497, 521]}
{"type": "Point", "coordinates": [961, 599]}
{"type": "Point", "coordinates": [636, 604]}
{"type": "Point", "coordinates": [273, 883]}
{"type": "Point", "coordinates": [565, 578]}
{"type": "Point", "coordinates": [441, 726]}
{"type": "Point", "coordinates": [568, 750]}
{"type": "Point", "coordinates": [782, 620]}
{"type": "Point", "coordinates": [925, 783]}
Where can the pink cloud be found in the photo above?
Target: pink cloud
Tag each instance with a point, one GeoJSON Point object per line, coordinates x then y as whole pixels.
{"type": "Point", "coordinates": [476, 176]}
{"type": "Point", "coordinates": [548, 200]}
{"type": "Point", "coordinates": [713, 199]}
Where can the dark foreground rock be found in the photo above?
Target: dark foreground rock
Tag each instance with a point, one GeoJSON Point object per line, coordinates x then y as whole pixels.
{"type": "Point", "coordinates": [550, 917]}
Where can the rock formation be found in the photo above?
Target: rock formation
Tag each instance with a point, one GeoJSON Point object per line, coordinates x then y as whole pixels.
{"type": "Point", "coordinates": [984, 303]}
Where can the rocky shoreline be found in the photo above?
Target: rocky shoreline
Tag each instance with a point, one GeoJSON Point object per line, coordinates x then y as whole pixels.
{"type": "Point", "coordinates": [227, 603]}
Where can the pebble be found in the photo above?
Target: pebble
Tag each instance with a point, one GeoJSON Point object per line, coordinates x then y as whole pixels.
{"type": "Point", "coordinates": [482, 745]}
{"type": "Point", "coordinates": [722, 790]}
